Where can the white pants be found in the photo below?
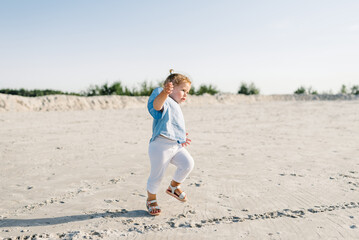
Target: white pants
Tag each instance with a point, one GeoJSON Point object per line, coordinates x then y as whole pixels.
{"type": "Point", "coordinates": [163, 151]}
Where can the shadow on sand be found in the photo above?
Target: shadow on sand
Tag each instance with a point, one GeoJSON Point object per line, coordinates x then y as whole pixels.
{"type": "Point", "coordinates": [66, 219]}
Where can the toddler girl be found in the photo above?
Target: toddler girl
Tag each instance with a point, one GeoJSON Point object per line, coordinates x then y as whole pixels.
{"type": "Point", "coordinates": [168, 140]}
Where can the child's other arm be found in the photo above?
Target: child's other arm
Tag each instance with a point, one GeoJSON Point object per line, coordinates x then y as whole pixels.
{"type": "Point", "coordinates": [161, 98]}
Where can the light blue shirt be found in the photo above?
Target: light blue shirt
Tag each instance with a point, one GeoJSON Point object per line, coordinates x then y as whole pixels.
{"type": "Point", "coordinates": [168, 122]}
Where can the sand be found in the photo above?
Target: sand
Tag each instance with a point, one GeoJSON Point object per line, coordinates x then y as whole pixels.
{"type": "Point", "coordinates": [75, 103]}
{"type": "Point", "coordinates": [264, 169]}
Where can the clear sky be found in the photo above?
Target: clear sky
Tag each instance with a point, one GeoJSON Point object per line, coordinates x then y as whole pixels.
{"type": "Point", "coordinates": [278, 45]}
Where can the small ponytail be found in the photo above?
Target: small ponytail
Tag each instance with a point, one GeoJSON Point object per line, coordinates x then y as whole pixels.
{"type": "Point", "coordinates": [171, 71]}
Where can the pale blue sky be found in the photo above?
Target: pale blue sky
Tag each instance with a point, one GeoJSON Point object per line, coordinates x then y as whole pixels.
{"type": "Point", "coordinates": [279, 44]}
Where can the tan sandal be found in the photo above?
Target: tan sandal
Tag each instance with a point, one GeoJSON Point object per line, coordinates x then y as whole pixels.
{"type": "Point", "coordinates": [181, 197]}
{"type": "Point", "coordinates": [151, 208]}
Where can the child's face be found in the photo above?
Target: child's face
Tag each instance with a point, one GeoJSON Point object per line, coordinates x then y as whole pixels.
{"type": "Point", "coordinates": [179, 93]}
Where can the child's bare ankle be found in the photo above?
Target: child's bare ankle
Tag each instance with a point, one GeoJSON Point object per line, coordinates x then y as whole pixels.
{"type": "Point", "coordinates": [174, 183]}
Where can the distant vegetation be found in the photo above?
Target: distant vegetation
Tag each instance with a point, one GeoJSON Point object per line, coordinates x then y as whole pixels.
{"type": "Point", "coordinates": [248, 89]}
{"type": "Point", "coordinates": [350, 90]}
{"type": "Point", "coordinates": [116, 88]}
{"type": "Point", "coordinates": [209, 89]}
{"type": "Point", "coordinates": [303, 90]}
{"type": "Point", "coordinates": [34, 93]}
{"type": "Point", "coordinates": [146, 88]}
{"type": "Point", "coordinates": [354, 90]}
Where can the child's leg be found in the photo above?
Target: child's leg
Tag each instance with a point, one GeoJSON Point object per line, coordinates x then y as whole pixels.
{"type": "Point", "coordinates": [160, 154]}
{"type": "Point", "coordinates": [184, 163]}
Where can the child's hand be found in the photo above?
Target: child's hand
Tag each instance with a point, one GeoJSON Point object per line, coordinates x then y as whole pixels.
{"type": "Point", "coordinates": [188, 141]}
{"type": "Point", "coordinates": [168, 88]}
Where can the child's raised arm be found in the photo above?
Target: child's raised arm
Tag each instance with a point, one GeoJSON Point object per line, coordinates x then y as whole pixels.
{"type": "Point", "coordinates": [161, 98]}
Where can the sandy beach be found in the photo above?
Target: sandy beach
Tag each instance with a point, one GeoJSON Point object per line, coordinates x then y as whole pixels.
{"type": "Point", "coordinates": [265, 168]}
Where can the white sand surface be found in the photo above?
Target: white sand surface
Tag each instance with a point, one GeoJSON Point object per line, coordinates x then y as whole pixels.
{"type": "Point", "coordinates": [263, 170]}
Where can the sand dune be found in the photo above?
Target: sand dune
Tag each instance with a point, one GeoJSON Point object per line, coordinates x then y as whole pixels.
{"type": "Point", "coordinates": [264, 169]}
{"type": "Point", "coordinates": [69, 103]}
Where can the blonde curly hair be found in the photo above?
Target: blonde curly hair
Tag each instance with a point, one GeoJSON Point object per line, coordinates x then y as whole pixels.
{"type": "Point", "coordinates": [177, 78]}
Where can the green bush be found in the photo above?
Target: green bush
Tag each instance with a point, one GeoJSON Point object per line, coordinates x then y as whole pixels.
{"type": "Point", "coordinates": [93, 90]}
{"type": "Point", "coordinates": [250, 89]}
{"type": "Point", "coordinates": [192, 91]}
{"type": "Point", "coordinates": [303, 90]}
{"type": "Point", "coordinates": [349, 90]}
{"type": "Point", "coordinates": [146, 89]}
{"type": "Point", "coordinates": [355, 90]}
{"type": "Point", "coordinates": [311, 91]}
{"type": "Point", "coordinates": [343, 89]}
{"type": "Point", "coordinates": [300, 90]}
{"type": "Point", "coordinates": [210, 89]}
{"type": "Point", "coordinates": [117, 88]}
